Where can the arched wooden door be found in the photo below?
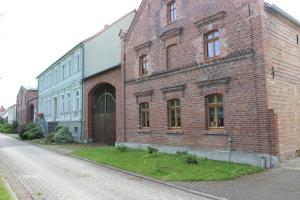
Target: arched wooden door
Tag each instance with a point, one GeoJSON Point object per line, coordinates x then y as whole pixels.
{"type": "Point", "coordinates": [31, 113]}
{"type": "Point", "coordinates": [104, 115]}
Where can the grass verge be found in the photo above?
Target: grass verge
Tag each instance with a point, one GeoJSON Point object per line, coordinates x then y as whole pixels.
{"type": "Point", "coordinates": [167, 167]}
{"type": "Point", "coordinates": [4, 194]}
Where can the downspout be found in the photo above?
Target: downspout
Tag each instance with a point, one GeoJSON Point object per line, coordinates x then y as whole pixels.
{"type": "Point", "coordinates": [82, 93]}
{"type": "Point", "coordinates": [124, 92]}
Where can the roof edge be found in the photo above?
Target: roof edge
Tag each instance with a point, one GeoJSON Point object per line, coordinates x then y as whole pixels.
{"type": "Point", "coordinates": [108, 26]}
{"type": "Point", "coordinates": [58, 60]}
{"type": "Point", "coordinates": [281, 12]}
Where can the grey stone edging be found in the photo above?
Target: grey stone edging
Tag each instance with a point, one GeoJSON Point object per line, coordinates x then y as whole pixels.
{"type": "Point", "coordinates": [10, 191]}
{"type": "Point", "coordinates": [132, 174]}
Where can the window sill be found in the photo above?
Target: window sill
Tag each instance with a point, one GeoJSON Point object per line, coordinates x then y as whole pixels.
{"type": "Point", "coordinates": [213, 59]}
{"type": "Point", "coordinates": [174, 132]}
{"type": "Point", "coordinates": [144, 131]}
{"type": "Point", "coordinates": [216, 132]}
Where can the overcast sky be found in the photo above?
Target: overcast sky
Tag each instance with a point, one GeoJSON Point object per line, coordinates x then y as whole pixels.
{"type": "Point", "coordinates": [35, 33]}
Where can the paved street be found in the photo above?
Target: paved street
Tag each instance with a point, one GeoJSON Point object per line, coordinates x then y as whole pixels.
{"type": "Point", "coordinates": [36, 173]}
{"type": "Point", "coordinates": [282, 183]}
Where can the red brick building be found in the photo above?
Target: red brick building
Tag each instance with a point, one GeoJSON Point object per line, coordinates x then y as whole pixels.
{"type": "Point", "coordinates": [26, 105]}
{"type": "Point", "coordinates": [102, 83]}
{"type": "Point", "coordinates": [218, 78]}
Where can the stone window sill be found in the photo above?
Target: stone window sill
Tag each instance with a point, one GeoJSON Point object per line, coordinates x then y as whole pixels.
{"type": "Point", "coordinates": [216, 132]}
{"type": "Point", "coordinates": [144, 131]}
{"type": "Point", "coordinates": [174, 132]}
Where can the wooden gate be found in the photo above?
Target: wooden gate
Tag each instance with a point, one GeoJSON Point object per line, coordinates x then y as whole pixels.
{"type": "Point", "coordinates": [104, 117]}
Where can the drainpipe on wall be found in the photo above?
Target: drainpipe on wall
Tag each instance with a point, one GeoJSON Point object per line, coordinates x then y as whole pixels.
{"type": "Point", "coordinates": [124, 91]}
{"type": "Point", "coordinates": [82, 94]}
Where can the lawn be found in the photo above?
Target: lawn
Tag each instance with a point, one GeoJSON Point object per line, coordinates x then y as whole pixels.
{"type": "Point", "coordinates": [166, 167]}
{"type": "Point", "coordinates": [4, 194]}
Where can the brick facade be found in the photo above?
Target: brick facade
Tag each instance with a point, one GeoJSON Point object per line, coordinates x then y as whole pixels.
{"type": "Point", "coordinates": [282, 62]}
{"type": "Point", "coordinates": [26, 98]}
{"type": "Point", "coordinates": [91, 84]}
{"type": "Point", "coordinates": [258, 118]}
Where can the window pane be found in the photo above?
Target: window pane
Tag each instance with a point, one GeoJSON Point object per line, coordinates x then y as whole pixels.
{"type": "Point", "coordinates": [210, 36]}
{"type": "Point", "coordinates": [178, 118]}
{"type": "Point", "coordinates": [220, 117]}
{"type": "Point", "coordinates": [217, 48]}
{"type": "Point", "coordinates": [143, 119]}
{"type": "Point", "coordinates": [210, 50]}
{"type": "Point", "coordinates": [220, 99]}
{"type": "Point", "coordinates": [212, 122]}
{"type": "Point", "coordinates": [147, 121]}
{"type": "Point", "coordinates": [172, 103]}
{"type": "Point", "coordinates": [211, 99]}
{"type": "Point", "coordinates": [173, 117]}
{"type": "Point", "coordinates": [177, 102]}
{"type": "Point", "coordinates": [216, 34]}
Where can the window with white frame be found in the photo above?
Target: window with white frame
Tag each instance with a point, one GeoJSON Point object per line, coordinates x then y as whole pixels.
{"type": "Point", "coordinates": [77, 100]}
{"type": "Point", "coordinates": [69, 68]}
{"type": "Point", "coordinates": [56, 76]}
{"type": "Point", "coordinates": [63, 69]}
{"type": "Point", "coordinates": [62, 107]}
{"type": "Point", "coordinates": [77, 63]}
{"type": "Point", "coordinates": [68, 102]}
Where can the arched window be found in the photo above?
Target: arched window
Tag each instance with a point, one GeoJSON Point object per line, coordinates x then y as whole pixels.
{"type": "Point", "coordinates": [174, 113]}
{"type": "Point", "coordinates": [215, 112]}
{"type": "Point", "coordinates": [212, 44]}
{"type": "Point", "coordinates": [143, 65]}
{"type": "Point", "coordinates": [172, 55]}
{"type": "Point", "coordinates": [144, 115]}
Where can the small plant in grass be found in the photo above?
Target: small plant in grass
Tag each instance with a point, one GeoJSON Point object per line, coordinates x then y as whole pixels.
{"type": "Point", "coordinates": [122, 148]}
{"type": "Point", "coordinates": [152, 151]}
{"type": "Point", "coordinates": [182, 153]}
{"type": "Point", "coordinates": [190, 159]}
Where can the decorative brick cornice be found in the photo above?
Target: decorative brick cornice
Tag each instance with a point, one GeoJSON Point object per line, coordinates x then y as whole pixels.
{"type": "Point", "coordinates": [177, 88]}
{"type": "Point", "coordinates": [138, 95]}
{"type": "Point", "coordinates": [143, 46]}
{"type": "Point", "coordinates": [210, 19]}
{"type": "Point", "coordinates": [232, 57]}
{"type": "Point", "coordinates": [171, 33]}
{"type": "Point", "coordinates": [214, 82]}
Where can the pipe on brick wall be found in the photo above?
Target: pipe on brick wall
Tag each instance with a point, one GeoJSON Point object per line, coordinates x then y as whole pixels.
{"type": "Point", "coordinates": [82, 94]}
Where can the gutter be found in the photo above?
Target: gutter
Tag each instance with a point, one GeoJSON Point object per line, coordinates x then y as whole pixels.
{"type": "Point", "coordinates": [276, 9]}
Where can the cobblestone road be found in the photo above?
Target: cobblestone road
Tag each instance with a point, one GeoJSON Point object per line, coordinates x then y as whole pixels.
{"type": "Point", "coordinates": [44, 174]}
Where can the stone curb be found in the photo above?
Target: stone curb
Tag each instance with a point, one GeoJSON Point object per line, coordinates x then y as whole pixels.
{"type": "Point", "coordinates": [212, 197]}
{"type": "Point", "coordinates": [10, 191]}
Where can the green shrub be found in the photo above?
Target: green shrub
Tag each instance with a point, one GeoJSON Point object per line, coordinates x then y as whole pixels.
{"type": "Point", "coordinates": [190, 159]}
{"type": "Point", "coordinates": [15, 125]}
{"type": "Point", "coordinates": [122, 148]}
{"type": "Point", "coordinates": [6, 128]}
{"type": "Point", "coordinates": [57, 128]}
{"type": "Point", "coordinates": [50, 138]}
{"type": "Point", "coordinates": [2, 121]}
{"type": "Point", "coordinates": [63, 136]}
{"type": "Point", "coordinates": [30, 132]}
